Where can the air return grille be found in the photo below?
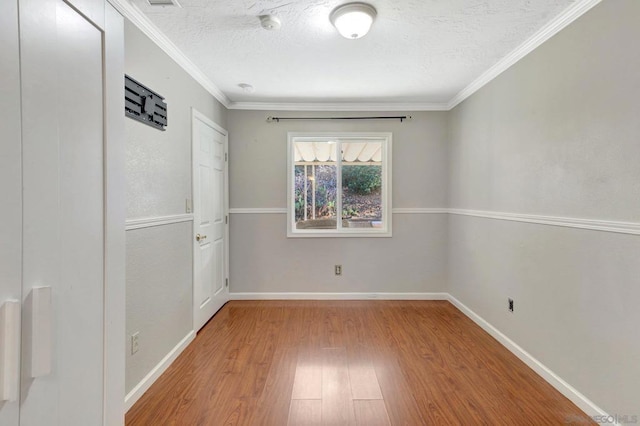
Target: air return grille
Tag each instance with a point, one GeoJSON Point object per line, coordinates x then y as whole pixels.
{"type": "Point", "coordinates": [143, 104]}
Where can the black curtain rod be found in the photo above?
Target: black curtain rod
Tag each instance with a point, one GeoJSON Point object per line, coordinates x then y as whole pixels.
{"type": "Point", "coordinates": [397, 117]}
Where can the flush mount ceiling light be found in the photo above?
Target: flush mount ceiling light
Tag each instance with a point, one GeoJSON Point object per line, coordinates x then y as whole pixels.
{"type": "Point", "coordinates": [270, 22]}
{"type": "Point", "coordinates": [353, 20]}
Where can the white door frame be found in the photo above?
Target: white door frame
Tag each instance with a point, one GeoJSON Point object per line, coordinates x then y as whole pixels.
{"type": "Point", "coordinates": [197, 115]}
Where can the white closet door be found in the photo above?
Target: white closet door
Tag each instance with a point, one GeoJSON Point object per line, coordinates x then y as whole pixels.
{"type": "Point", "coordinates": [63, 225]}
{"type": "Point", "coordinates": [11, 210]}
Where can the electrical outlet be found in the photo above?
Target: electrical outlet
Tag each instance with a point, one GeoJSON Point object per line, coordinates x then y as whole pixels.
{"type": "Point", "coordinates": [338, 269]}
{"type": "Point", "coordinates": [135, 342]}
{"type": "Point", "coordinates": [510, 305]}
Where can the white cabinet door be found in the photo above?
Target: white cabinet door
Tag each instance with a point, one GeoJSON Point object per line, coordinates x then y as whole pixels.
{"type": "Point", "coordinates": [63, 213]}
{"type": "Point", "coordinates": [11, 204]}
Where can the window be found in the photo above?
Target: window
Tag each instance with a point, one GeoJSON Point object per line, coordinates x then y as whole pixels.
{"type": "Point", "coordinates": [339, 185]}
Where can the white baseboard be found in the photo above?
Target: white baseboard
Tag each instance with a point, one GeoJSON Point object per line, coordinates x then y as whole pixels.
{"type": "Point", "coordinates": [338, 296]}
{"type": "Point", "coordinates": [144, 385]}
{"type": "Point", "coordinates": [584, 403]}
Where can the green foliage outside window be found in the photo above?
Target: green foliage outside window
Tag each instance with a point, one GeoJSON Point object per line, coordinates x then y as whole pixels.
{"type": "Point", "coordinates": [363, 179]}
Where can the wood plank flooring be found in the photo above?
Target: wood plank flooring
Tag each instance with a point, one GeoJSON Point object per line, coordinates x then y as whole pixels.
{"type": "Point", "coordinates": [348, 363]}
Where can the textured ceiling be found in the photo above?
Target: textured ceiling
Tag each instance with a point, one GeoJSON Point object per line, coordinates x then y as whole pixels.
{"type": "Point", "coordinates": [418, 51]}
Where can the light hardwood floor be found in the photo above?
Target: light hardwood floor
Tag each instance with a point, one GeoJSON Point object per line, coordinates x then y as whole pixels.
{"type": "Point", "coordinates": [347, 363]}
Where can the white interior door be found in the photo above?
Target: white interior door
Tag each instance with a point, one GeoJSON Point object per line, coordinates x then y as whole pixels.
{"type": "Point", "coordinates": [63, 215]}
{"type": "Point", "coordinates": [210, 221]}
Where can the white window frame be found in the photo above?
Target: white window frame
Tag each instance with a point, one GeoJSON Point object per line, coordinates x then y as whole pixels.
{"type": "Point", "coordinates": [340, 232]}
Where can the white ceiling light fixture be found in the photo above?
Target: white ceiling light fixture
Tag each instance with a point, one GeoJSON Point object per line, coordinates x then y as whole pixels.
{"type": "Point", "coordinates": [353, 20]}
{"type": "Point", "coordinates": [270, 22]}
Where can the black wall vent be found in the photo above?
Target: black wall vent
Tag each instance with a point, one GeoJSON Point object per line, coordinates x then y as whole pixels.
{"type": "Point", "coordinates": [143, 104]}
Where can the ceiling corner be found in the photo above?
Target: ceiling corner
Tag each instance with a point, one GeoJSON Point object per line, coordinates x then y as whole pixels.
{"type": "Point", "coordinates": [552, 28]}
{"type": "Point", "coordinates": [133, 14]}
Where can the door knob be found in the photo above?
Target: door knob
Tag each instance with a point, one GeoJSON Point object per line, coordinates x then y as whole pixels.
{"type": "Point", "coordinates": [200, 237]}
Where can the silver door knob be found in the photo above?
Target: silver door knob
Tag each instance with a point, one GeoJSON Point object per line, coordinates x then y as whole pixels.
{"type": "Point", "coordinates": [200, 237]}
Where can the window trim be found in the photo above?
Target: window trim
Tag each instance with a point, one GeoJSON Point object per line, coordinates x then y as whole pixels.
{"type": "Point", "coordinates": [386, 231]}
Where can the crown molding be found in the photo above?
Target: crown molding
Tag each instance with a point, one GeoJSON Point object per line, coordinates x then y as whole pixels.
{"type": "Point", "coordinates": [339, 106]}
{"type": "Point", "coordinates": [570, 14]}
{"type": "Point", "coordinates": [573, 12]}
{"type": "Point", "coordinates": [137, 18]}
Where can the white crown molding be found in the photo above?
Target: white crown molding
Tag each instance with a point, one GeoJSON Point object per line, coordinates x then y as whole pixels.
{"type": "Point", "coordinates": [570, 14]}
{"type": "Point", "coordinates": [338, 296]}
{"type": "Point", "coordinates": [148, 222]}
{"type": "Point", "coordinates": [139, 19]}
{"type": "Point", "coordinates": [632, 228]}
{"type": "Point", "coordinates": [339, 106]}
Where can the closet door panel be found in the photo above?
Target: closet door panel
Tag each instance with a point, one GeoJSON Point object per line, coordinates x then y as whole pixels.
{"type": "Point", "coordinates": [62, 86]}
{"type": "Point", "coordinates": [10, 189]}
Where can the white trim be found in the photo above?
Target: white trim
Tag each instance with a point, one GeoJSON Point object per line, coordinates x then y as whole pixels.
{"type": "Point", "coordinates": [632, 228]}
{"type": "Point", "coordinates": [552, 28]}
{"type": "Point", "coordinates": [400, 210]}
{"type": "Point", "coordinates": [139, 19]}
{"type": "Point", "coordinates": [144, 385]}
{"type": "Point", "coordinates": [135, 15]}
{"type": "Point", "coordinates": [148, 222]}
{"type": "Point", "coordinates": [386, 141]}
{"type": "Point", "coordinates": [553, 379]}
{"type": "Point", "coordinates": [419, 210]}
{"type": "Point", "coordinates": [567, 222]}
{"type": "Point", "coordinates": [338, 296]}
{"type": "Point", "coordinates": [115, 212]}
{"type": "Point", "coordinates": [251, 210]}
{"type": "Point", "coordinates": [209, 122]}
{"type": "Point", "coordinates": [340, 106]}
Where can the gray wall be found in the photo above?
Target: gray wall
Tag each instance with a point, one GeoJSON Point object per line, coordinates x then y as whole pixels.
{"type": "Point", "coordinates": [264, 260]}
{"type": "Point", "coordinates": [158, 171]}
{"type": "Point", "coordinates": [557, 134]}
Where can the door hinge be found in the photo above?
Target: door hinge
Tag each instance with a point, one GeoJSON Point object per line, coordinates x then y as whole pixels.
{"type": "Point", "coordinates": [226, 157]}
{"type": "Point", "coordinates": [226, 220]}
{"type": "Point", "coordinates": [226, 282]}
